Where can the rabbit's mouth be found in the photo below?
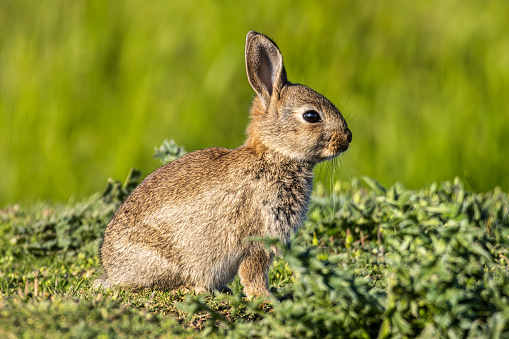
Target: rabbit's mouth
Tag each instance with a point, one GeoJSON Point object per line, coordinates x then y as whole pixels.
{"type": "Point", "coordinates": [338, 143]}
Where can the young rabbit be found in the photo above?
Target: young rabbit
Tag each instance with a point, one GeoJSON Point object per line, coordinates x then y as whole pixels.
{"type": "Point", "coordinates": [186, 224]}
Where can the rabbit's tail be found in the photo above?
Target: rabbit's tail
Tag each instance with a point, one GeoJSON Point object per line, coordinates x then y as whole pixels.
{"type": "Point", "coordinates": [101, 282]}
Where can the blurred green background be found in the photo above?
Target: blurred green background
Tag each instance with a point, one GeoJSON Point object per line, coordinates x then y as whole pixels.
{"type": "Point", "coordinates": [89, 88]}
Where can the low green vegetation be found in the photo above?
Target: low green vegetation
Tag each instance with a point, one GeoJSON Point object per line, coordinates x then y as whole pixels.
{"type": "Point", "coordinates": [370, 261]}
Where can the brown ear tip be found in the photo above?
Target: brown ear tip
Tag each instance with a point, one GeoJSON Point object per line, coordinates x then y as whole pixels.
{"type": "Point", "coordinates": [250, 35]}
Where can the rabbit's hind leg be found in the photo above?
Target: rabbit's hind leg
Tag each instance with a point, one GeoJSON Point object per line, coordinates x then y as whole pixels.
{"type": "Point", "coordinates": [138, 266]}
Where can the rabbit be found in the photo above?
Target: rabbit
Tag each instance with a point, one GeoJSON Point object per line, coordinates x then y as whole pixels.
{"type": "Point", "coordinates": [186, 225]}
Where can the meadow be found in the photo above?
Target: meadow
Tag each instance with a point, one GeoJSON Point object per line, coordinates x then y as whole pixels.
{"type": "Point", "coordinates": [88, 88]}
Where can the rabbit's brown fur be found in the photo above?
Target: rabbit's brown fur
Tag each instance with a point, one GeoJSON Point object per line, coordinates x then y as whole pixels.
{"type": "Point", "coordinates": [186, 224]}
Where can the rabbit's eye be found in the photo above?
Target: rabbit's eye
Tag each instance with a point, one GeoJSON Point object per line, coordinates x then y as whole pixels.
{"type": "Point", "coordinates": [311, 116]}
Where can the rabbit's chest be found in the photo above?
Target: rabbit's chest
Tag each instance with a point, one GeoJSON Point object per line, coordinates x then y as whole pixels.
{"type": "Point", "coordinates": [284, 207]}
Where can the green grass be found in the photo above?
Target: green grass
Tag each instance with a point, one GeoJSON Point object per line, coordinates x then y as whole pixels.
{"type": "Point", "coordinates": [370, 261]}
{"type": "Point", "coordinates": [87, 88]}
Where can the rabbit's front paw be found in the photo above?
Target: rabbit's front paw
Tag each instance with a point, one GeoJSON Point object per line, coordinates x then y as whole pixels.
{"type": "Point", "coordinates": [253, 272]}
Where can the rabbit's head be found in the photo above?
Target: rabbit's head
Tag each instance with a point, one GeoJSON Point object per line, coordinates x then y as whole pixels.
{"type": "Point", "coordinates": [290, 119]}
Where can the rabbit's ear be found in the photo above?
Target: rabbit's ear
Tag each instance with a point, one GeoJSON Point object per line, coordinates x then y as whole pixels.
{"type": "Point", "coordinates": [264, 65]}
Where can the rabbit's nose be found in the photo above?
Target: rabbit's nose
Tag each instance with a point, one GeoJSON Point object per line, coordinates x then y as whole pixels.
{"type": "Point", "coordinates": [348, 135]}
